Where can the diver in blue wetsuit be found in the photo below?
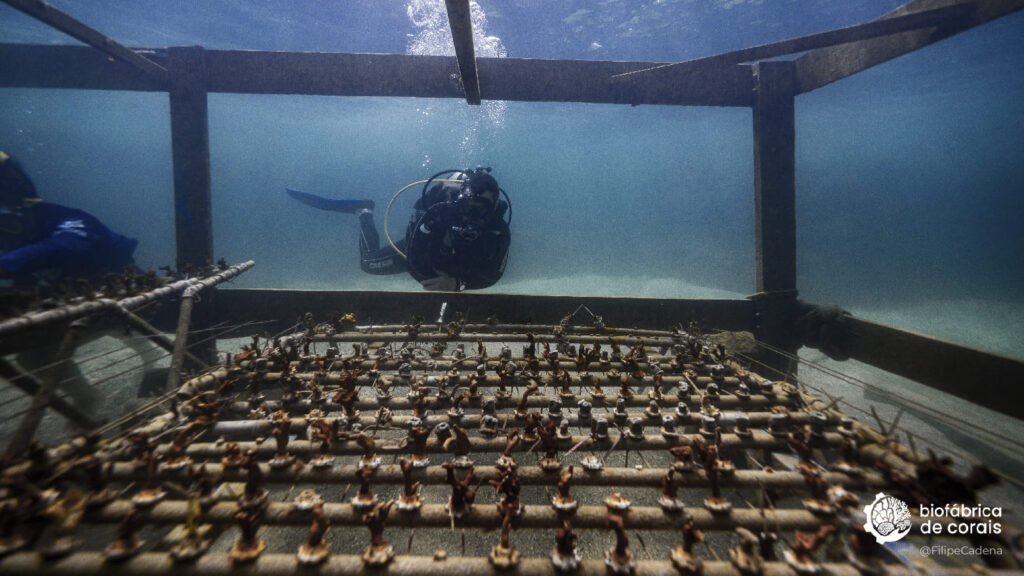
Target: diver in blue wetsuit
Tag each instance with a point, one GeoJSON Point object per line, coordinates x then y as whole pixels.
{"type": "Point", "coordinates": [42, 241]}
{"type": "Point", "coordinates": [457, 239]}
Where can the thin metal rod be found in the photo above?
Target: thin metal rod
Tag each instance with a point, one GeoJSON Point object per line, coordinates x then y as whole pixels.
{"type": "Point", "coordinates": [46, 13]}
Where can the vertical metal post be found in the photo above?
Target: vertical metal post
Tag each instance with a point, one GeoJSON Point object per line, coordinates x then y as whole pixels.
{"type": "Point", "coordinates": [775, 203]}
{"type": "Point", "coordinates": [190, 144]}
{"type": "Point", "coordinates": [775, 176]}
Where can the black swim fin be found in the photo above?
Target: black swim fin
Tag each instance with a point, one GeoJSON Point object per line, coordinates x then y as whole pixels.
{"type": "Point", "coordinates": [321, 203]}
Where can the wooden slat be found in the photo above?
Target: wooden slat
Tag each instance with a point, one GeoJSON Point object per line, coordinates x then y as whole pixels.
{"type": "Point", "coordinates": [462, 34]}
{"type": "Point", "coordinates": [826, 65]}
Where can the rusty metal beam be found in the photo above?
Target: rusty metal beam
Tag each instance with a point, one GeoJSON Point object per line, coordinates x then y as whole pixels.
{"type": "Point", "coordinates": [48, 14]}
{"type": "Point", "coordinates": [826, 65]}
{"type": "Point", "coordinates": [462, 35]}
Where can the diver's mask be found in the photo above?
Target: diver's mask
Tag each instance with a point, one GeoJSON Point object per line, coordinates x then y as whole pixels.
{"type": "Point", "coordinates": [478, 197]}
{"type": "Point", "coordinates": [474, 207]}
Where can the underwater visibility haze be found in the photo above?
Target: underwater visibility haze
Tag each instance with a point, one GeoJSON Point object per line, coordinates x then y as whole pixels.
{"type": "Point", "coordinates": [910, 184]}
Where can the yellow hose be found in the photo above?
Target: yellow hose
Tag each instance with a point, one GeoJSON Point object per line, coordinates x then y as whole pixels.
{"type": "Point", "coordinates": [387, 213]}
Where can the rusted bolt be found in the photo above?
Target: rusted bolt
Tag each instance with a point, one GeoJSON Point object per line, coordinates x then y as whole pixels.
{"type": "Point", "coordinates": [708, 426]}
{"type": "Point", "coordinates": [636, 428]}
{"type": "Point", "coordinates": [743, 426]}
{"type": "Point", "coordinates": [584, 411]}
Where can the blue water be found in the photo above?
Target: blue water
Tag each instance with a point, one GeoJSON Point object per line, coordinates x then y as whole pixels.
{"type": "Point", "coordinates": [910, 185]}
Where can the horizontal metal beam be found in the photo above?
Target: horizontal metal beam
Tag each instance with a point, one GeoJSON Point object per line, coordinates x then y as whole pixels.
{"type": "Point", "coordinates": [337, 74]}
{"type": "Point", "coordinates": [826, 65]}
{"type": "Point", "coordinates": [284, 306]}
{"type": "Point", "coordinates": [983, 378]}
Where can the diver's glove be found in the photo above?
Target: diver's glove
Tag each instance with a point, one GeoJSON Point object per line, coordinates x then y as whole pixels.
{"type": "Point", "coordinates": [441, 283]}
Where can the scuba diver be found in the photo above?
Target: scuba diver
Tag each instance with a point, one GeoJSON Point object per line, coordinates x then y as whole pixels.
{"type": "Point", "coordinates": [457, 238]}
{"type": "Point", "coordinates": [40, 241]}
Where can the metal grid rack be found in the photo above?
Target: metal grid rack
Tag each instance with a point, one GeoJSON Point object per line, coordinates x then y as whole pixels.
{"type": "Point", "coordinates": [609, 451]}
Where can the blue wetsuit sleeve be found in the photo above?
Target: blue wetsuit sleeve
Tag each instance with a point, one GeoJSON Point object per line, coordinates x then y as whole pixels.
{"type": "Point", "coordinates": [55, 251]}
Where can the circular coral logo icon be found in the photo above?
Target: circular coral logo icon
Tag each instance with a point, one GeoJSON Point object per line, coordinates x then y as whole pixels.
{"type": "Point", "coordinates": [887, 518]}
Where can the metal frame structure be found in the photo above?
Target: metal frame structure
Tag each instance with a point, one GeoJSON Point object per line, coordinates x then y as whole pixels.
{"type": "Point", "coordinates": [430, 416]}
{"type": "Point", "coordinates": [738, 79]}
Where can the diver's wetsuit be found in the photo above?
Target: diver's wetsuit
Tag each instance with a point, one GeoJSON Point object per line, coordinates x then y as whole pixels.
{"type": "Point", "coordinates": [67, 242]}
{"type": "Point", "coordinates": [437, 245]}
